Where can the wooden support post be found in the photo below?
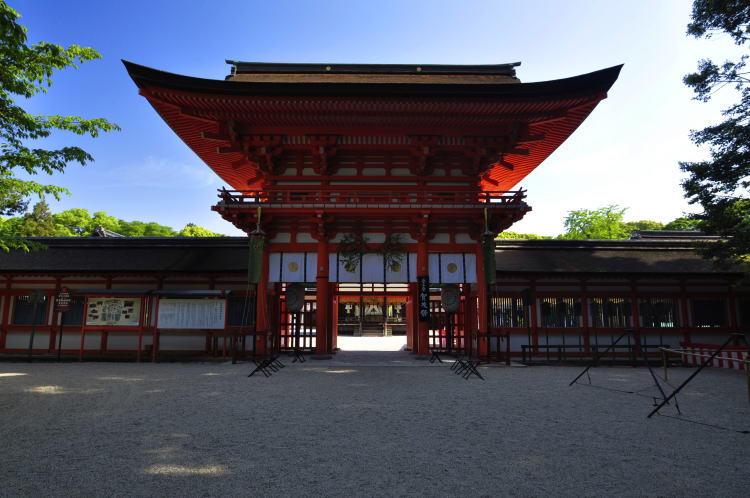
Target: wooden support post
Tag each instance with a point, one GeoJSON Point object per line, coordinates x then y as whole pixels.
{"type": "Point", "coordinates": [423, 328]}
{"type": "Point", "coordinates": [483, 305]}
{"type": "Point", "coordinates": [262, 320]}
{"type": "Point", "coordinates": [83, 342]}
{"type": "Point", "coordinates": [534, 319]}
{"type": "Point", "coordinates": [470, 321]}
{"type": "Point", "coordinates": [6, 304]}
{"type": "Point", "coordinates": [585, 318]}
{"type": "Point", "coordinates": [322, 343]}
{"type": "Point", "coordinates": [635, 320]}
{"type": "Point", "coordinates": [411, 317]}
{"type": "Point", "coordinates": [334, 318]}
{"type": "Point", "coordinates": [155, 333]}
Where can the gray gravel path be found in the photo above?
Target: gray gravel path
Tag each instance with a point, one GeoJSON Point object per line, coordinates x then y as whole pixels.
{"type": "Point", "coordinates": [321, 429]}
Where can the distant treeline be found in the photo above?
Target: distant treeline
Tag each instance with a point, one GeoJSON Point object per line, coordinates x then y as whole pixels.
{"type": "Point", "coordinates": [605, 223]}
{"type": "Point", "coordinates": [77, 222]}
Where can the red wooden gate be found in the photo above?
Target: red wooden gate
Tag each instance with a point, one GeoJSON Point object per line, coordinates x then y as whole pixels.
{"type": "Point", "coordinates": [297, 329]}
{"type": "Point", "coordinates": [447, 330]}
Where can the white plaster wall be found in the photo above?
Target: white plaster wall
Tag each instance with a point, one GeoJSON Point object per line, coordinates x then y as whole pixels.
{"type": "Point", "coordinates": [20, 340]}
{"type": "Point", "coordinates": [401, 172]}
{"type": "Point", "coordinates": [123, 340]}
{"type": "Point", "coordinates": [345, 172]}
{"type": "Point", "coordinates": [607, 288]}
{"type": "Point", "coordinates": [182, 342]}
{"type": "Point", "coordinates": [462, 238]}
{"type": "Point", "coordinates": [71, 339]}
{"type": "Point", "coordinates": [304, 237]}
{"type": "Point", "coordinates": [374, 237]}
{"type": "Point", "coordinates": [373, 171]}
{"type": "Point", "coordinates": [405, 238]}
{"type": "Point", "coordinates": [281, 237]}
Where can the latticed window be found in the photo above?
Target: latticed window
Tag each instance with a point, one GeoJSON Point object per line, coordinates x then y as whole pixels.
{"type": "Point", "coordinates": [26, 312]}
{"type": "Point", "coordinates": [560, 312]}
{"type": "Point", "coordinates": [74, 315]}
{"type": "Point", "coordinates": [241, 311]}
{"type": "Point", "coordinates": [610, 312]}
{"type": "Point", "coordinates": [507, 312]}
{"type": "Point", "coordinates": [658, 312]}
{"type": "Point", "coordinates": [743, 308]}
{"type": "Point", "coordinates": [709, 313]}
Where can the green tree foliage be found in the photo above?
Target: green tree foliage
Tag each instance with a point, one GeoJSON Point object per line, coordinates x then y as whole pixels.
{"type": "Point", "coordinates": [602, 223]}
{"type": "Point", "coordinates": [141, 229]}
{"type": "Point", "coordinates": [26, 70]}
{"type": "Point", "coordinates": [77, 222]}
{"type": "Point", "coordinates": [192, 230]}
{"type": "Point", "coordinates": [516, 235]}
{"type": "Point", "coordinates": [74, 222]}
{"type": "Point", "coordinates": [102, 219]}
{"type": "Point", "coordinates": [38, 223]}
{"type": "Point", "coordinates": [629, 226]}
{"type": "Point", "coordinates": [683, 223]}
{"type": "Point", "coordinates": [721, 184]}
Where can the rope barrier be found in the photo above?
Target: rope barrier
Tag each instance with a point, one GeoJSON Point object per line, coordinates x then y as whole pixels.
{"type": "Point", "coordinates": [701, 355]}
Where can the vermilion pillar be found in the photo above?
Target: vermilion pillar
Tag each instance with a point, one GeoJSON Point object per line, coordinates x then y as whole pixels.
{"type": "Point", "coordinates": [322, 344]}
{"type": "Point", "coordinates": [262, 323]}
{"type": "Point", "coordinates": [423, 270]}
{"type": "Point", "coordinates": [482, 339]}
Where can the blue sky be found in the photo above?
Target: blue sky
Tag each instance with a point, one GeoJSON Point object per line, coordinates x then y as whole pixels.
{"type": "Point", "coordinates": [626, 153]}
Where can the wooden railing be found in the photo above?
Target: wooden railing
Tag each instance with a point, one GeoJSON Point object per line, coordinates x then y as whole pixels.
{"type": "Point", "coordinates": [399, 198]}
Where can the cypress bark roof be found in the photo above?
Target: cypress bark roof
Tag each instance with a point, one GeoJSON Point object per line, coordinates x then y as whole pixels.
{"type": "Point", "coordinates": [187, 255]}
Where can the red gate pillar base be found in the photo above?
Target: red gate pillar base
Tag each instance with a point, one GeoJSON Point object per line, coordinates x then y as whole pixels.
{"type": "Point", "coordinates": [423, 337]}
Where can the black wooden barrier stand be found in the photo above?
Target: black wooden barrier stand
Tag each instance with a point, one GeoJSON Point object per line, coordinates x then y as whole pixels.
{"type": "Point", "coordinates": [466, 367]}
{"type": "Point", "coordinates": [705, 363]}
{"type": "Point", "coordinates": [267, 366]}
{"type": "Point", "coordinates": [633, 346]}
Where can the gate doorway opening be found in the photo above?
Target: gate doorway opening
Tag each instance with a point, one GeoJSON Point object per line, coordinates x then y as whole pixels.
{"type": "Point", "coordinates": [376, 317]}
{"type": "Point", "coordinates": [372, 316]}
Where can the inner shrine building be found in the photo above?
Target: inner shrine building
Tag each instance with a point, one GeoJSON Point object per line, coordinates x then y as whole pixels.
{"type": "Point", "coordinates": [373, 186]}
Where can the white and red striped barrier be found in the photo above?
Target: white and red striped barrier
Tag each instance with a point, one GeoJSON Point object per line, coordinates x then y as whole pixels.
{"type": "Point", "coordinates": [695, 353]}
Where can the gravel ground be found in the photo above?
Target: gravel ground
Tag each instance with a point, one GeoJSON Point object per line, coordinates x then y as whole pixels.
{"type": "Point", "coordinates": [193, 429]}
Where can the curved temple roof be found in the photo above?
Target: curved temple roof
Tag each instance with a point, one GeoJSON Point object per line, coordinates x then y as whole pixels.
{"type": "Point", "coordinates": [532, 118]}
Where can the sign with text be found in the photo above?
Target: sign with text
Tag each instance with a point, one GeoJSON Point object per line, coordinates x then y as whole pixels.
{"type": "Point", "coordinates": [192, 313]}
{"type": "Point", "coordinates": [116, 311]}
{"type": "Point", "coordinates": [423, 298]}
{"type": "Point", "coordinates": [62, 300]}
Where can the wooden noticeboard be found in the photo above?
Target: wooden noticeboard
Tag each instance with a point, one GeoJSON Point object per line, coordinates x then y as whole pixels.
{"type": "Point", "coordinates": [113, 311]}
{"type": "Point", "coordinates": [192, 313]}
